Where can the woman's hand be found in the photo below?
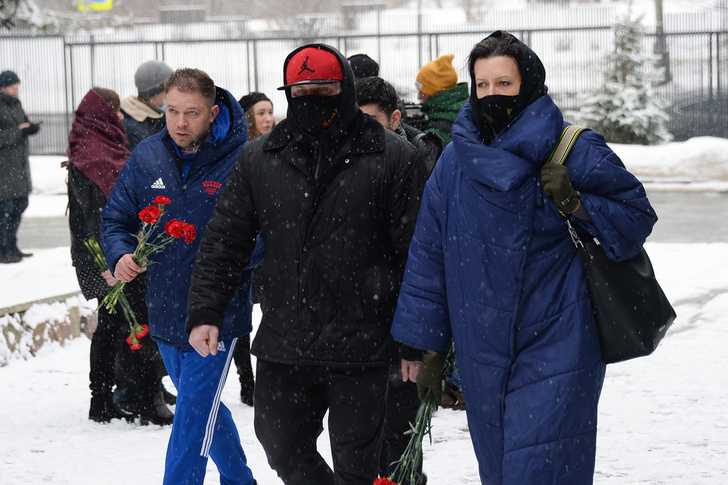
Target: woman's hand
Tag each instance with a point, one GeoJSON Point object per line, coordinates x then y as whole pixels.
{"type": "Point", "coordinates": [429, 377]}
{"type": "Point", "coordinates": [110, 280]}
{"type": "Point", "coordinates": [557, 185]}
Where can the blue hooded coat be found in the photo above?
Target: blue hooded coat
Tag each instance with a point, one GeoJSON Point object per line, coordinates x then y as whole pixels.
{"type": "Point", "coordinates": [492, 265]}
{"type": "Point", "coordinates": [156, 168]}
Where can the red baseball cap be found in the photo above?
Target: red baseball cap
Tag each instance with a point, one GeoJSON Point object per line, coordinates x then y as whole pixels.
{"type": "Point", "coordinates": [312, 65]}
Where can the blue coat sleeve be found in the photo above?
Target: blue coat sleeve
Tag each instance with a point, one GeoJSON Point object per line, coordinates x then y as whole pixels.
{"type": "Point", "coordinates": [621, 215]}
{"type": "Point", "coordinates": [120, 218]}
{"type": "Point", "coordinates": [422, 319]}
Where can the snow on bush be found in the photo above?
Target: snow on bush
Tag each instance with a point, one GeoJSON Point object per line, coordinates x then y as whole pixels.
{"type": "Point", "coordinates": [625, 108]}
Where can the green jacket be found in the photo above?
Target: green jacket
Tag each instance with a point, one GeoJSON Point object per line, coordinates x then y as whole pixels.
{"type": "Point", "coordinates": [14, 166]}
{"type": "Point", "coordinates": [443, 108]}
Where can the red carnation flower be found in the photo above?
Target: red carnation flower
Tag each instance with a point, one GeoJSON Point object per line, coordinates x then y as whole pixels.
{"type": "Point", "coordinates": [384, 481]}
{"type": "Point", "coordinates": [149, 242]}
{"type": "Point", "coordinates": [143, 332]}
{"type": "Point", "coordinates": [150, 214]}
{"type": "Point", "coordinates": [190, 233]}
{"type": "Point", "coordinates": [173, 228]}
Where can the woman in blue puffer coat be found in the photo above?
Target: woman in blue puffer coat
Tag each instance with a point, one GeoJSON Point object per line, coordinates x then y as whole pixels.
{"type": "Point", "coordinates": [492, 266]}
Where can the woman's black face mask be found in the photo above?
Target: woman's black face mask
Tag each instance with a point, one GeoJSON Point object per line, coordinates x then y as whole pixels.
{"type": "Point", "coordinates": [315, 113]}
{"type": "Point", "coordinates": [498, 110]}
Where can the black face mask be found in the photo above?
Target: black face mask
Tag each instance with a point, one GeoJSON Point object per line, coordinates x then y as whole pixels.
{"type": "Point", "coordinates": [315, 113]}
{"type": "Point", "coordinates": [498, 110]}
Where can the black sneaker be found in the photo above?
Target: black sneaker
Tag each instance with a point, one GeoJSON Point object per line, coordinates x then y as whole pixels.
{"type": "Point", "coordinates": [155, 412]}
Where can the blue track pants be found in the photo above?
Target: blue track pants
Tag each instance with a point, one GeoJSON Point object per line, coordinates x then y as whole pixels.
{"type": "Point", "coordinates": [203, 427]}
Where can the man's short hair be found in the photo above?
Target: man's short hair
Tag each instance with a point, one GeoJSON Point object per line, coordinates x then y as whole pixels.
{"type": "Point", "coordinates": [188, 80]}
{"type": "Point", "coordinates": [375, 90]}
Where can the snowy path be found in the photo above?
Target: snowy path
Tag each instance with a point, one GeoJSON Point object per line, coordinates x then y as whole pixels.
{"type": "Point", "coordinates": [663, 419]}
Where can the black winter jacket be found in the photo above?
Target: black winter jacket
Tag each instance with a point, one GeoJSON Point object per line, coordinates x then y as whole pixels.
{"type": "Point", "coordinates": [430, 145]}
{"type": "Point", "coordinates": [335, 249]}
{"type": "Point", "coordinates": [14, 166]}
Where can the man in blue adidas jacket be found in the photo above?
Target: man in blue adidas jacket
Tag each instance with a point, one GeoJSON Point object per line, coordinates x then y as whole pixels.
{"type": "Point", "coordinates": [189, 162]}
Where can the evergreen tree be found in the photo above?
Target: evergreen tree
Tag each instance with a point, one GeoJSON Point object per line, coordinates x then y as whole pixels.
{"type": "Point", "coordinates": [626, 108]}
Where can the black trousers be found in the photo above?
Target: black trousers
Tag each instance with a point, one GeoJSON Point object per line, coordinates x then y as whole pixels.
{"type": "Point", "coordinates": [402, 406]}
{"type": "Point", "coordinates": [112, 362]}
{"type": "Point", "coordinates": [11, 210]}
{"type": "Point", "coordinates": [290, 404]}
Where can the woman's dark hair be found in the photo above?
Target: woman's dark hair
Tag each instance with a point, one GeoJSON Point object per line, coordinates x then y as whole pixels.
{"type": "Point", "coordinates": [109, 96]}
{"type": "Point", "coordinates": [497, 44]}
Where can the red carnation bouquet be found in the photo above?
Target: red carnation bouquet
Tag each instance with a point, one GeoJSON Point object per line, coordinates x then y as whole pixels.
{"type": "Point", "coordinates": [150, 241]}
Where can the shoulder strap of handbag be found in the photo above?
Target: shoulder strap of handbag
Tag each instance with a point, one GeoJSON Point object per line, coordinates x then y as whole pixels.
{"type": "Point", "coordinates": [558, 155]}
{"type": "Point", "coordinates": [565, 144]}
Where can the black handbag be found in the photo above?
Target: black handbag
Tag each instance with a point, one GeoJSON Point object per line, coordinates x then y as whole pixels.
{"type": "Point", "coordinates": [631, 311]}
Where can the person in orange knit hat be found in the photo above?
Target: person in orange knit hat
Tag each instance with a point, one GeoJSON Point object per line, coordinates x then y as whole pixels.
{"type": "Point", "coordinates": [441, 95]}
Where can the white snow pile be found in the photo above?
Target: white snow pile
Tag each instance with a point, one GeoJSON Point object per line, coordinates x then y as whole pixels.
{"type": "Point", "coordinates": [697, 159]}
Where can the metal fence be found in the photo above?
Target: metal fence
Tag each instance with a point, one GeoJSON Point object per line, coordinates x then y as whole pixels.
{"type": "Point", "coordinates": [56, 72]}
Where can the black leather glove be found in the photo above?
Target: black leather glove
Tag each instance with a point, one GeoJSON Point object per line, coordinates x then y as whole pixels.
{"type": "Point", "coordinates": [31, 130]}
{"type": "Point", "coordinates": [556, 184]}
{"type": "Point", "coordinates": [429, 376]}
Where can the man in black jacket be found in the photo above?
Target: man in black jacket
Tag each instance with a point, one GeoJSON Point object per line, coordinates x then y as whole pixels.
{"type": "Point", "coordinates": [377, 98]}
{"type": "Point", "coordinates": [335, 197]}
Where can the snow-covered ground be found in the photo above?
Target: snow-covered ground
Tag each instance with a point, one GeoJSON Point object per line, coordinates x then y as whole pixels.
{"type": "Point", "coordinates": [663, 419]}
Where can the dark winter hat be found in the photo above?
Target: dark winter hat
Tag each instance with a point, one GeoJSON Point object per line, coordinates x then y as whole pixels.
{"type": "Point", "coordinates": [363, 66]}
{"type": "Point", "coordinates": [312, 65]}
{"type": "Point", "coordinates": [150, 78]}
{"type": "Point", "coordinates": [8, 78]}
{"type": "Point", "coordinates": [249, 100]}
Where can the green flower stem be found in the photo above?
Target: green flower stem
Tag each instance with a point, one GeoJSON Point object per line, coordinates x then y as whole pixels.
{"type": "Point", "coordinates": [407, 469]}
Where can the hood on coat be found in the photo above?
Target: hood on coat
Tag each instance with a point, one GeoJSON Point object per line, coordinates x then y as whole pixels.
{"type": "Point", "coordinates": [97, 144]}
{"type": "Point", "coordinates": [138, 110]}
{"type": "Point", "coordinates": [533, 79]}
{"type": "Point", "coordinates": [515, 153]}
{"type": "Point", "coordinates": [348, 109]}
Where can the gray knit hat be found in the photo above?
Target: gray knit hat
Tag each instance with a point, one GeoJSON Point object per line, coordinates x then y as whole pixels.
{"type": "Point", "coordinates": [150, 77]}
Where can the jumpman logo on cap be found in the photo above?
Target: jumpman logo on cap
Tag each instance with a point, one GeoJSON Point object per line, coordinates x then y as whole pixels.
{"type": "Point", "coordinates": [304, 67]}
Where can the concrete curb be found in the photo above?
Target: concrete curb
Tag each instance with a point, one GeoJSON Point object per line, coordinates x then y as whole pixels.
{"type": "Point", "coordinates": [26, 328]}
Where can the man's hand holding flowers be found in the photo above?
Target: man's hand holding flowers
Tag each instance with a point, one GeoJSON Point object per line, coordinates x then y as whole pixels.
{"type": "Point", "coordinates": [127, 269]}
{"type": "Point", "coordinates": [150, 241]}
